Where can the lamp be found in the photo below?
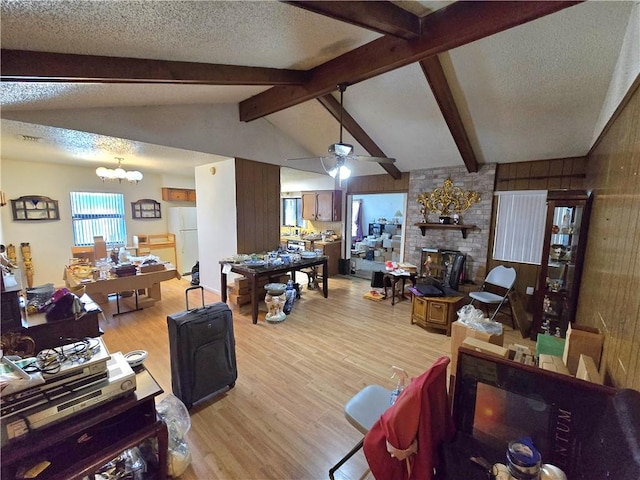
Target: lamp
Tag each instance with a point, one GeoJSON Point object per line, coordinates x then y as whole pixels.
{"type": "Point", "coordinates": [397, 216]}
{"type": "Point", "coordinates": [119, 173]}
{"type": "Point", "coordinates": [340, 170]}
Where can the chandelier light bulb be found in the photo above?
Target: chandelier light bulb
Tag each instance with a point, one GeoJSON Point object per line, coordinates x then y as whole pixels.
{"type": "Point", "coordinates": [119, 173]}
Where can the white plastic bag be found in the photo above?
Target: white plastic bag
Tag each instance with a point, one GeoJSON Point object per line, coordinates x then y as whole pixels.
{"type": "Point", "coordinates": [176, 416]}
{"type": "Point", "coordinates": [474, 318]}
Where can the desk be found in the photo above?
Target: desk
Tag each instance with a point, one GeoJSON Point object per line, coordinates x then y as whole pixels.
{"type": "Point", "coordinates": [148, 282]}
{"type": "Point", "coordinates": [391, 279]}
{"type": "Point", "coordinates": [253, 273]}
{"type": "Point", "coordinates": [81, 444]}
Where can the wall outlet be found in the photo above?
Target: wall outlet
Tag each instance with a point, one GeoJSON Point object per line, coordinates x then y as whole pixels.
{"type": "Point", "coordinates": [529, 290]}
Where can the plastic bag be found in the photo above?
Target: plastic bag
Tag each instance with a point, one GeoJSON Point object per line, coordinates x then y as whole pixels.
{"type": "Point", "coordinates": [175, 414]}
{"type": "Point", "coordinates": [474, 318]}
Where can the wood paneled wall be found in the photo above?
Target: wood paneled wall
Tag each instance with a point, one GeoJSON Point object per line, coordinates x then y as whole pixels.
{"type": "Point", "coordinates": [378, 184]}
{"type": "Point", "coordinates": [553, 174]}
{"type": "Point", "coordinates": [610, 291]}
{"type": "Point", "coordinates": [258, 206]}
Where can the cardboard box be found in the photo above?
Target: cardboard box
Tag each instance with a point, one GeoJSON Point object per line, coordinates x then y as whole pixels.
{"type": "Point", "coordinates": [582, 341]}
{"type": "Point", "coordinates": [154, 267]}
{"type": "Point", "coordinates": [587, 370]}
{"type": "Point", "coordinates": [485, 347]}
{"type": "Point", "coordinates": [553, 363]}
{"type": "Point", "coordinates": [459, 331]}
{"type": "Point", "coordinates": [99, 248]}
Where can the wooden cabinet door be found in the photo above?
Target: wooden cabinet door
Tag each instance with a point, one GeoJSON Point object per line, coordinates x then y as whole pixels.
{"type": "Point", "coordinates": [324, 208]}
{"type": "Point", "coordinates": [419, 310]}
{"type": "Point", "coordinates": [309, 205]}
{"type": "Point", "coordinates": [178, 195]}
{"type": "Point", "coordinates": [332, 250]}
{"type": "Point", "coordinates": [438, 312]}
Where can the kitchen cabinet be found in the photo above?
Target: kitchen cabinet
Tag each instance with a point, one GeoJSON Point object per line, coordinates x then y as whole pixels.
{"type": "Point", "coordinates": [331, 250]}
{"type": "Point", "coordinates": [178, 194]}
{"type": "Point", "coordinates": [322, 205]}
{"type": "Point", "coordinates": [435, 312]}
{"type": "Point", "coordinates": [558, 285]}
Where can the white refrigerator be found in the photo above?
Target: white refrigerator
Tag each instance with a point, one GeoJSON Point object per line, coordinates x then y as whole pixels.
{"type": "Point", "coordinates": [182, 222]}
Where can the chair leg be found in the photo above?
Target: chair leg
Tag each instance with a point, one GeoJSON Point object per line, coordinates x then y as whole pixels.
{"type": "Point", "coordinates": [351, 453]}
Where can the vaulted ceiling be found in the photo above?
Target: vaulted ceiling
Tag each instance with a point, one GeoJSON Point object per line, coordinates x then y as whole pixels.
{"type": "Point", "coordinates": [431, 84]}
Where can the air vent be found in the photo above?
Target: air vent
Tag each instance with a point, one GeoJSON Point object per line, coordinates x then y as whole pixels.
{"type": "Point", "coordinates": [30, 138]}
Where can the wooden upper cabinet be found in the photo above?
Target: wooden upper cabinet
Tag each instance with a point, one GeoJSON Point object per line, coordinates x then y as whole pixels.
{"type": "Point", "coordinates": [178, 194]}
{"type": "Point", "coordinates": [322, 206]}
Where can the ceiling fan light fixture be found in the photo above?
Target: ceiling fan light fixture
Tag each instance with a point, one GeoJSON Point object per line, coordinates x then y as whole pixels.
{"type": "Point", "coordinates": [341, 149]}
{"type": "Point", "coordinates": [341, 171]}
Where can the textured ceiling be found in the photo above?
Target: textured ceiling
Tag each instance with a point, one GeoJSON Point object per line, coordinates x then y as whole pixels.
{"type": "Point", "coordinates": [531, 92]}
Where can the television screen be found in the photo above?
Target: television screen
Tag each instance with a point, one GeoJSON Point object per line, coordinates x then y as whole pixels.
{"type": "Point", "coordinates": [501, 416]}
{"type": "Point", "coordinates": [496, 400]}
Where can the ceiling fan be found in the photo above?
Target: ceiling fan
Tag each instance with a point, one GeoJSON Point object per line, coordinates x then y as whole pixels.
{"type": "Point", "coordinates": [340, 153]}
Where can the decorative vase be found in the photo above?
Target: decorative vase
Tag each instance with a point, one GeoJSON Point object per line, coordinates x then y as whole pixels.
{"type": "Point", "coordinates": [275, 300]}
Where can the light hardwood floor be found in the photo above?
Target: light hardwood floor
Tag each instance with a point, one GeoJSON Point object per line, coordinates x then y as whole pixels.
{"type": "Point", "coordinates": [284, 418]}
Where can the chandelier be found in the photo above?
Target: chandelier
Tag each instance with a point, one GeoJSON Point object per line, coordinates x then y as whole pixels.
{"type": "Point", "coordinates": [119, 173]}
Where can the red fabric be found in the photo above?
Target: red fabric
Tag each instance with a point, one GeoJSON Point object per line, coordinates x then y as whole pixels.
{"type": "Point", "coordinates": [421, 411]}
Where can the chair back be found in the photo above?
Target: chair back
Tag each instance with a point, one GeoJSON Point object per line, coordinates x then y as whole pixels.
{"type": "Point", "coordinates": [502, 276]}
{"type": "Point", "coordinates": [456, 270]}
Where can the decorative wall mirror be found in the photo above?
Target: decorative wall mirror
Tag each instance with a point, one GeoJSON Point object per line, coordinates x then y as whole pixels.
{"type": "Point", "coordinates": [145, 208]}
{"type": "Point", "coordinates": [35, 207]}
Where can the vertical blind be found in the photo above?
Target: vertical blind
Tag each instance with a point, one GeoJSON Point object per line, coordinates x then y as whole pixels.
{"type": "Point", "coordinates": [520, 223]}
{"type": "Point", "coordinates": [98, 214]}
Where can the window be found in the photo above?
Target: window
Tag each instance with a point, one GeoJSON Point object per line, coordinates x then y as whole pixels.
{"type": "Point", "coordinates": [292, 212]}
{"type": "Point", "coordinates": [98, 214]}
{"type": "Point", "coordinates": [520, 225]}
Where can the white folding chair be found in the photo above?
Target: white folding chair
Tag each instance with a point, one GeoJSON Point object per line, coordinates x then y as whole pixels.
{"type": "Point", "coordinates": [362, 411]}
{"type": "Point", "coordinates": [500, 279]}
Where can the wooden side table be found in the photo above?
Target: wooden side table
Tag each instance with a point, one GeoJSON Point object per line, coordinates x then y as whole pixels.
{"type": "Point", "coordinates": [435, 312]}
{"type": "Point", "coordinates": [390, 280]}
{"type": "Point", "coordinates": [83, 443]}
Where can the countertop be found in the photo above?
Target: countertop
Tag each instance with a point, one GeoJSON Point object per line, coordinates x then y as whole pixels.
{"type": "Point", "coordinates": [298, 238]}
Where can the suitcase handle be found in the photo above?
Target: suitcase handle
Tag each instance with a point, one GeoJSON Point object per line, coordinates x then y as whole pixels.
{"type": "Point", "coordinates": [186, 294]}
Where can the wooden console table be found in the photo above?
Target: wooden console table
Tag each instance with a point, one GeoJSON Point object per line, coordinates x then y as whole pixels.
{"type": "Point", "coordinates": [435, 312]}
{"type": "Point", "coordinates": [81, 444]}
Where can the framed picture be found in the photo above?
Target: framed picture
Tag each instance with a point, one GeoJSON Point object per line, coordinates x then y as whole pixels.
{"type": "Point", "coordinates": [145, 208]}
{"type": "Point", "coordinates": [35, 207]}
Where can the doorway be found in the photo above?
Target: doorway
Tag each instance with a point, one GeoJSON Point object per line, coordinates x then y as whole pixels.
{"type": "Point", "coordinates": [374, 233]}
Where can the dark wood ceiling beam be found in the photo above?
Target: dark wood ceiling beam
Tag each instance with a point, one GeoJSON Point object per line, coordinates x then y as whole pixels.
{"type": "Point", "coordinates": [22, 65]}
{"type": "Point", "coordinates": [380, 16]}
{"type": "Point", "coordinates": [453, 26]}
{"type": "Point", "coordinates": [432, 69]}
{"type": "Point", "coordinates": [357, 132]}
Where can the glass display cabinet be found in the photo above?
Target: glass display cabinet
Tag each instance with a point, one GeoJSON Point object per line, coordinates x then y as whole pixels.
{"type": "Point", "coordinates": [565, 237]}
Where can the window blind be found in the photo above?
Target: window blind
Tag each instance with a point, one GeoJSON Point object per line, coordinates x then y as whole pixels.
{"type": "Point", "coordinates": [520, 223]}
{"type": "Point", "coordinates": [98, 214]}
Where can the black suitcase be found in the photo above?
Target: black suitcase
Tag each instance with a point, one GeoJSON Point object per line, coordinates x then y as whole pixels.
{"type": "Point", "coordinates": [202, 349]}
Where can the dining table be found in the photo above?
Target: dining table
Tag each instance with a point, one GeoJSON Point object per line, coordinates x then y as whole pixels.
{"type": "Point", "coordinates": [255, 270]}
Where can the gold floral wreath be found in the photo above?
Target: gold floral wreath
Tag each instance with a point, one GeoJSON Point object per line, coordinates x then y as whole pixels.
{"type": "Point", "coordinates": [446, 199]}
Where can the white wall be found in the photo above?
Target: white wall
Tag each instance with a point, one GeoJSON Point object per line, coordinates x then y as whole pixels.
{"type": "Point", "coordinates": [383, 205]}
{"type": "Point", "coordinates": [51, 241]}
{"type": "Point", "coordinates": [217, 213]}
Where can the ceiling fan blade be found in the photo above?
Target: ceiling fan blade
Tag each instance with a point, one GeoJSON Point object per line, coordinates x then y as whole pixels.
{"type": "Point", "coordinates": [376, 159]}
{"type": "Point", "coordinates": [305, 158]}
